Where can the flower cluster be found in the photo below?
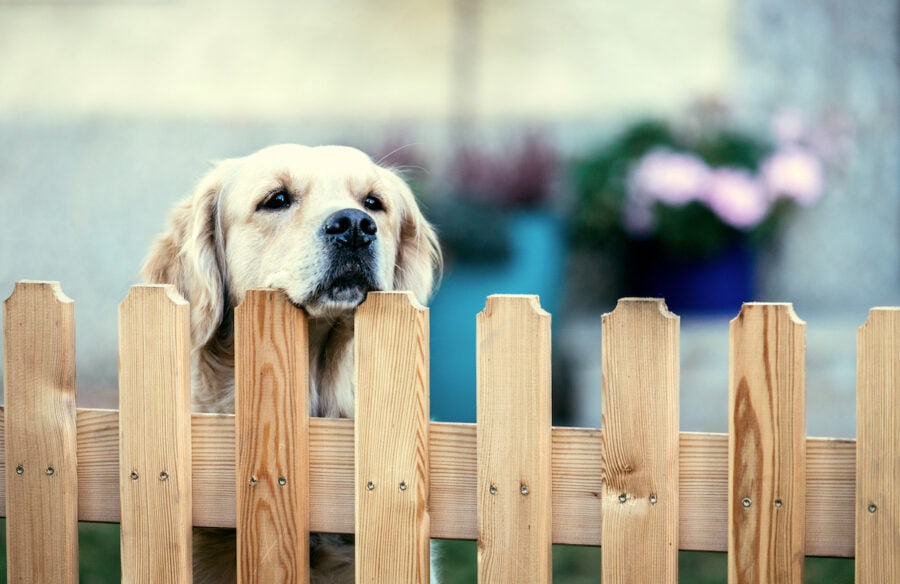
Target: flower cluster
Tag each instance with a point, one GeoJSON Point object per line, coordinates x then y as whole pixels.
{"type": "Point", "coordinates": [740, 198]}
{"type": "Point", "coordinates": [522, 175]}
{"type": "Point", "coordinates": [694, 192]}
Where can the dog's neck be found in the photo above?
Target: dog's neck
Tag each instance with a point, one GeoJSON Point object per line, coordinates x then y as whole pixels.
{"type": "Point", "coordinates": [330, 369]}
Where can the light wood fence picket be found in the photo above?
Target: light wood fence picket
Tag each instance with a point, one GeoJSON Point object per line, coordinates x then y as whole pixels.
{"type": "Point", "coordinates": [765, 492]}
{"type": "Point", "coordinates": [155, 436]}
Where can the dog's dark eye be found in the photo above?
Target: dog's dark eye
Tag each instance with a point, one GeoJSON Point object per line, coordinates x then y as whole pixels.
{"type": "Point", "coordinates": [373, 203]}
{"type": "Point", "coordinates": [275, 201]}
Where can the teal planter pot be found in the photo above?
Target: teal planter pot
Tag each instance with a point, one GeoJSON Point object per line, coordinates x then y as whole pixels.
{"type": "Point", "coordinates": [534, 266]}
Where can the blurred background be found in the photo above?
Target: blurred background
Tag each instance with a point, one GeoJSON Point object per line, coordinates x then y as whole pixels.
{"type": "Point", "coordinates": [709, 151]}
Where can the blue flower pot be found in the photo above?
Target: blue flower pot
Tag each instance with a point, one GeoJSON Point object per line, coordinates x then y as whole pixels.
{"type": "Point", "coordinates": [715, 285]}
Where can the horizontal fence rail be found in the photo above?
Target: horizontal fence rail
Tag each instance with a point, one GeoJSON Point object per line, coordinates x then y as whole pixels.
{"type": "Point", "coordinates": [765, 491]}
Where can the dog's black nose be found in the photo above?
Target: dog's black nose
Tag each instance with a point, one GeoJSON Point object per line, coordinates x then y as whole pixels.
{"type": "Point", "coordinates": [350, 228]}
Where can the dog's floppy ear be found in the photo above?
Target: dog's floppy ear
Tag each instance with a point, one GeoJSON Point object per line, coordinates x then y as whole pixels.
{"type": "Point", "coordinates": [419, 258]}
{"type": "Point", "coordinates": [190, 255]}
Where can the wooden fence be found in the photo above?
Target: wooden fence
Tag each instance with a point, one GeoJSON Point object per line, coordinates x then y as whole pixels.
{"type": "Point", "coordinates": [764, 492]}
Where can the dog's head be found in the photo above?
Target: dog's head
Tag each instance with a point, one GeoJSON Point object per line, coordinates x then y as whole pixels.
{"type": "Point", "coordinates": [326, 225]}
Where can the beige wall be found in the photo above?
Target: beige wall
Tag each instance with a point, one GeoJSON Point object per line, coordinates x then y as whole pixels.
{"type": "Point", "coordinates": [360, 59]}
{"type": "Point", "coordinates": [111, 109]}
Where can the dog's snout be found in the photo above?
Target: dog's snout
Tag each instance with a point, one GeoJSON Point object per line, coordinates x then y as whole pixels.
{"type": "Point", "coordinates": [351, 228]}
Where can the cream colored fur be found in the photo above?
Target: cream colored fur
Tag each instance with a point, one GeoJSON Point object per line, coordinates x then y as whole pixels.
{"type": "Point", "coordinates": [220, 243]}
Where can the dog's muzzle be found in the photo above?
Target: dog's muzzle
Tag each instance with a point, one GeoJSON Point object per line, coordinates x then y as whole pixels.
{"type": "Point", "coordinates": [349, 234]}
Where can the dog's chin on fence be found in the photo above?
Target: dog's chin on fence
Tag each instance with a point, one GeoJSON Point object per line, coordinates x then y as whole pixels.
{"type": "Point", "coordinates": [338, 297]}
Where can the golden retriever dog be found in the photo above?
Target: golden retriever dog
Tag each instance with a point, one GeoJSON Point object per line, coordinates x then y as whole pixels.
{"type": "Point", "coordinates": [326, 225]}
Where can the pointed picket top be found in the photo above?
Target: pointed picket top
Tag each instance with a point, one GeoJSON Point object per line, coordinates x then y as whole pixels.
{"type": "Point", "coordinates": [786, 308]}
{"type": "Point", "coordinates": [34, 308]}
{"type": "Point", "coordinates": [496, 302]}
{"type": "Point", "coordinates": [378, 305]}
{"type": "Point", "coordinates": [879, 315]}
{"type": "Point", "coordinates": [145, 291]}
{"type": "Point", "coordinates": [41, 287]}
{"type": "Point", "coordinates": [398, 298]}
{"type": "Point", "coordinates": [878, 447]}
{"type": "Point", "coordinates": [637, 303]}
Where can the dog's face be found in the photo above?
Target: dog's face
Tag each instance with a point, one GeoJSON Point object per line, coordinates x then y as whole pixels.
{"type": "Point", "coordinates": [322, 224]}
{"type": "Point", "coordinates": [326, 225]}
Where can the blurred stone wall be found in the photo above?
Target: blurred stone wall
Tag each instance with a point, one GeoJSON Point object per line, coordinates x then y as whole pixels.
{"type": "Point", "coordinates": [836, 63]}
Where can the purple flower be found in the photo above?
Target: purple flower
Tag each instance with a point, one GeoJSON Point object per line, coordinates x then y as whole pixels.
{"type": "Point", "coordinates": [671, 178]}
{"type": "Point", "coordinates": [737, 198]}
{"type": "Point", "coordinates": [793, 173]}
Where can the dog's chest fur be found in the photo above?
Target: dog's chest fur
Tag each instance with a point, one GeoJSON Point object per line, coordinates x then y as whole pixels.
{"type": "Point", "coordinates": [330, 370]}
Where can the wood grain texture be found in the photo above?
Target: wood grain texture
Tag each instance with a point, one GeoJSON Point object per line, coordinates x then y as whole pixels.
{"type": "Point", "coordinates": [878, 448]}
{"type": "Point", "coordinates": [640, 443]}
{"type": "Point", "coordinates": [39, 381]}
{"type": "Point", "coordinates": [577, 484]}
{"type": "Point", "coordinates": [272, 439]}
{"type": "Point", "coordinates": [98, 465]}
{"type": "Point", "coordinates": [155, 435]}
{"type": "Point", "coordinates": [829, 497]}
{"type": "Point", "coordinates": [831, 472]}
{"type": "Point", "coordinates": [703, 488]}
{"type": "Point", "coordinates": [392, 423]}
{"type": "Point", "coordinates": [514, 441]}
{"type": "Point", "coordinates": [767, 449]}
